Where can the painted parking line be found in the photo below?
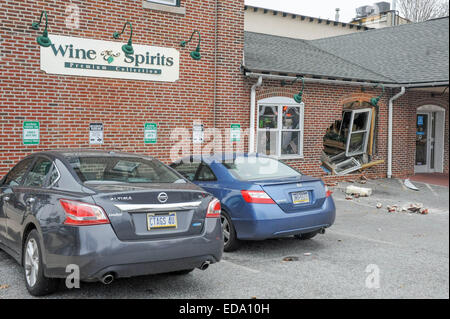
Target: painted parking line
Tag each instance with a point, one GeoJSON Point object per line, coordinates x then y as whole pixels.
{"type": "Point", "coordinates": [365, 238]}
{"type": "Point", "coordinates": [240, 266]}
{"type": "Point", "coordinates": [353, 202]}
{"type": "Point", "coordinates": [432, 190]}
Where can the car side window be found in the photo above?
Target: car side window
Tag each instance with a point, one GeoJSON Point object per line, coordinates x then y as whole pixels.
{"type": "Point", "coordinates": [206, 174]}
{"type": "Point", "coordinates": [15, 176]}
{"type": "Point", "coordinates": [188, 170]}
{"type": "Point", "coordinates": [36, 176]}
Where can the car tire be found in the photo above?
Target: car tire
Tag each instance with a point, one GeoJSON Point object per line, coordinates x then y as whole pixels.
{"type": "Point", "coordinates": [230, 241]}
{"type": "Point", "coordinates": [35, 281]}
{"type": "Point", "coordinates": [306, 236]}
{"type": "Point", "coordinates": [182, 272]}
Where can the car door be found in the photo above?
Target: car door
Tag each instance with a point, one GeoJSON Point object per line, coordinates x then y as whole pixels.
{"type": "Point", "coordinates": [8, 196]}
{"type": "Point", "coordinates": [29, 196]}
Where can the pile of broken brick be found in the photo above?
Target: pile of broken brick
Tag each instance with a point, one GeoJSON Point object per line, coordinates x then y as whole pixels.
{"type": "Point", "coordinates": [413, 208]}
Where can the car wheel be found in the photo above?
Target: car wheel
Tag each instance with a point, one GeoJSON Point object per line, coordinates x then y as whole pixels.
{"type": "Point", "coordinates": [35, 281]}
{"type": "Point", "coordinates": [230, 241]}
{"type": "Point", "coordinates": [181, 272]}
{"type": "Point", "coordinates": [306, 235]}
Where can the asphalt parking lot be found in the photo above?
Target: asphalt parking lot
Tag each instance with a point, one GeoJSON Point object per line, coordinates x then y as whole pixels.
{"type": "Point", "coordinates": [411, 252]}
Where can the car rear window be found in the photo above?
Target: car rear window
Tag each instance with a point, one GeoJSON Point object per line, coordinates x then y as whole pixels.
{"type": "Point", "coordinates": [121, 169]}
{"type": "Point", "coordinates": [259, 168]}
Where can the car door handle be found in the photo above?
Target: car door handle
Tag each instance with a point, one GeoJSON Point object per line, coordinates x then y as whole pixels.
{"type": "Point", "coordinates": [30, 200]}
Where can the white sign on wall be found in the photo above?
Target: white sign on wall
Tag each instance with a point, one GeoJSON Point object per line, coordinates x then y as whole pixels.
{"type": "Point", "coordinates": [95, 133]}
{"type": "Point", "coordinates": [96, 58]}
{"type": "Point", "coordinates": [198, 131]}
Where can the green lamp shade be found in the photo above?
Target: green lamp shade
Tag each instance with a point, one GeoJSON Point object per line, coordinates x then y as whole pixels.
{"type": "Point", "coordinates": [43, 41]}
{"type": "Point", "coordinates": [196, 55]}
{"type": "Point", "coordinates": [127, 49]}
{"type": "Point", "coordinates": [374, 101]}
{"type": "Point", "coordinates": [298, 97]}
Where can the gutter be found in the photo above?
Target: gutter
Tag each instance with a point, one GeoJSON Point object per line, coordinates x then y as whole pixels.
{"type": "Point", "coordinates": [216, 9]}
{"type": "Point", "coordinates": [251, 143]}
{"type": "Point", "coordinates": [351, 83]}
{"type": "Point", "coordinates": [391, 110]}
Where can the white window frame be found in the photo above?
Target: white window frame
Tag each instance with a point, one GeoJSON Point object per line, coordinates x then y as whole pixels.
{"type": "Point", "coordinates": [365, 130]}
{"type": "Point", "coordinates": [279, 102]}
{"type": "Point", "coordinates": [173, 3]}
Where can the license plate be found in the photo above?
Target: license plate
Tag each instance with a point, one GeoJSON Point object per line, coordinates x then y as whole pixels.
{"type": "Point", "coordinates": [300, 197]}
{"type": "Point", "coordinates": [155, 221]}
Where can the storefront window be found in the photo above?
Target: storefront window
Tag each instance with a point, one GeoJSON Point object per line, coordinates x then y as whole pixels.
{"type": "Point", "coordinates": [280, 129]}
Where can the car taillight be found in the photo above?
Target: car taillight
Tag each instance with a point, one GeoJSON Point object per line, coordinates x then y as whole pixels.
{"type": "Point", "coordinates": [214, 209]}
{"type": "Point", "coordinates": [327, 192]}
{"type": "Point", "coordinates": [83, 214]}
{"type": "Point", "coordinates": [257, 197]}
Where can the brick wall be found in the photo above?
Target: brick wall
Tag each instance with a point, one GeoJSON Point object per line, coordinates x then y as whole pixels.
{"type": "Point", "coordinates": [65, 105]}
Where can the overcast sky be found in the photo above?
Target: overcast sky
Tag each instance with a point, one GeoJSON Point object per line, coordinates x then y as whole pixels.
{"type": "Point", "coordinates": [316, 8]}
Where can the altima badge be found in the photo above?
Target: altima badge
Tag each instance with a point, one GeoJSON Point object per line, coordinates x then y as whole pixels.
{"type": "Point", "coordinates": [162, 197]}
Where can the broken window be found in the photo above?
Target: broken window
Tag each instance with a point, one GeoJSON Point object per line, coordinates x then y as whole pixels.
{"type": "Point", "coordinates": [346, 142]}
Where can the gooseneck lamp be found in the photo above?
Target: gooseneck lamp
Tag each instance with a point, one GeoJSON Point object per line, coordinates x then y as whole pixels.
{"type": "Point", "coordinates": [194, 54]}
{"type": "Point", "coordinates": [374, 101]}
{"type": "Point", "coordinates": [126, 48]}
{"type": "Point", "coordinates": [298, 97]}
{"type": "Point", "coordinates": [42, 40]}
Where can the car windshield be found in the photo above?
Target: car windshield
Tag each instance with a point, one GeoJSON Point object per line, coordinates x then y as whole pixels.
{"type": "Point", "coordinates": [121, 169]}
{"type": "Point", "coordinates": [259, 168]}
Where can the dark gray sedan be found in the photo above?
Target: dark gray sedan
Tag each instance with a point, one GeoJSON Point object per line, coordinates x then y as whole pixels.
{"type": "Point", "coordinates": [107, 214]}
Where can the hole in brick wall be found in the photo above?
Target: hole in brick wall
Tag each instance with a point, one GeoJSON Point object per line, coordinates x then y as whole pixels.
{"type": "Point", "coordinates": [349, 143]}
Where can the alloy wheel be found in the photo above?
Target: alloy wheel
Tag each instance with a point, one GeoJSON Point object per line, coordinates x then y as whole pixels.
{"type": "Point", "coordinates": [225, 229]}
{"type": "Point", "coordinates": [31, 262]}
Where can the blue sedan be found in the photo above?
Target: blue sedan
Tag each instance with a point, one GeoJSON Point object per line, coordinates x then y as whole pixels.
{"type": "Point", "coordinates": [261, 197]}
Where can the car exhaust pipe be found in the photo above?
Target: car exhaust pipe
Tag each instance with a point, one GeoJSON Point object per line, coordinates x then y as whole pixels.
{"type": "Point", "coordinates": [205, 265]}
{"type": "Point", "coordinates": [322, 231]}
{"type": "Point", "coordinates": [107, 279]}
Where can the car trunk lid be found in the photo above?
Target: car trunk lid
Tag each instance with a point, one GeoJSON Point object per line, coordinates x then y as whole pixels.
{"type": "Point", "coordinates": [137, 212]}
{"type": "Point", "coordinates": [297, 194]}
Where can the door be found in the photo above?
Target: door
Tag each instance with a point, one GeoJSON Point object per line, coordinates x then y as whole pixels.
{"type": "Point", "coordinates": [9, 198]}
{"type": "Point", "coordinates": [429, 142]}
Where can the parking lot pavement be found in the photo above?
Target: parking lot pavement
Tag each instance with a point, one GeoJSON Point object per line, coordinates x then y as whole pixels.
{"type": "Point", "coordinates": [411, 252]}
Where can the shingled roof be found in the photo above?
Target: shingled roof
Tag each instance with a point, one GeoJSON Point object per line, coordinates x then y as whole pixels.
{"type": "Point", "coordinates": [409, 53]}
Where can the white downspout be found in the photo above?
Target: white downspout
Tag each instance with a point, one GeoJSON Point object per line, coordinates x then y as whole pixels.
{"type": "Point", "coordinates": [251, 142]}
{"type": "Point", "coordinates": [391, 104]}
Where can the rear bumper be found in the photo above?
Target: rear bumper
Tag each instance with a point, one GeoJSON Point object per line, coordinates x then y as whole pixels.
{"type": "Point", "coordinates": [96, 250]}
{"type": "Point", "coordinates": [272, 222]}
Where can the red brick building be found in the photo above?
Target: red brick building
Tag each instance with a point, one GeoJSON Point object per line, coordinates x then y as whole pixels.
{"type": "Point", "coordinates": [214, 91]}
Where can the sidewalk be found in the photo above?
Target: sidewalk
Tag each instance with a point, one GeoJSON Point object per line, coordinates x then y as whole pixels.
{"type": "Point", "coordinates": [431, 178]}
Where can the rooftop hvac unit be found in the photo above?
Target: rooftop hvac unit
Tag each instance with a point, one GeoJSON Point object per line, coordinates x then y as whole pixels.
{"type": "Point", "coordinates": [361, 11]}
{"type": "Point", "coordinates": [365, 11]}
{"type": "Point", "coordinates": [383, 6]}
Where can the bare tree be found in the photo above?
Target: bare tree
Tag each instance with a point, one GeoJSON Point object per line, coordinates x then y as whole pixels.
{"type": "Point", "coordinates": [422, 10]}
